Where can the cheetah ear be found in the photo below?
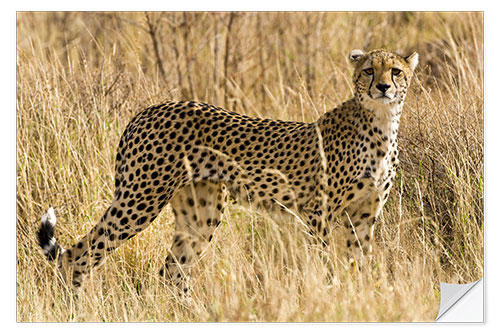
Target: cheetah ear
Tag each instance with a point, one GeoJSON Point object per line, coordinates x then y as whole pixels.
{"type": "Point", "coordinates": [355, 56]}
{"type": "Point", "coordinates": [412, 60]}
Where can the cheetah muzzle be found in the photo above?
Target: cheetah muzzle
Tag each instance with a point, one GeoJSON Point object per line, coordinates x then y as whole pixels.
{"type": "Point", "coordinates": [193, 155]}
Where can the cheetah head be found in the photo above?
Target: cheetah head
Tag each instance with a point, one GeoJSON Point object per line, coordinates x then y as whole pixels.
{"type": "Point", "coordinates": [382, 78]}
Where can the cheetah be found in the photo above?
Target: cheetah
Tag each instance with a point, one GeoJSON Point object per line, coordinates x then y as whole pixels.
{"type": "Point", "coordinates": [337, 170]}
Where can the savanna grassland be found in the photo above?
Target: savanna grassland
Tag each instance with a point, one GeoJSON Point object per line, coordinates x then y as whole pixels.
{"type": "Point", "coordinates": [82, 76]}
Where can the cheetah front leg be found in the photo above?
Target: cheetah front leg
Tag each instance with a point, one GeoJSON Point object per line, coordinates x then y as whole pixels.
{"type": "Point", "coordinates": [198, 210]}
{"type": "Point", "coordinates": [359, 220]}
{"type": "Point", "coordinates": [359, 223]}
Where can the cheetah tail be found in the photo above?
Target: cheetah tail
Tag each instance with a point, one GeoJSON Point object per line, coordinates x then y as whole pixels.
{"type": "Point", "coordinates": [46, 238]}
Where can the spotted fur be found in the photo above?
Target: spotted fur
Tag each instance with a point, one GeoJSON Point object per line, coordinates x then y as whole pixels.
{"type": "Point", "coordinates": [193, 155]}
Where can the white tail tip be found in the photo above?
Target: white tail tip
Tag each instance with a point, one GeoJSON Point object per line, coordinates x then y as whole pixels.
{"type": "Point", "coordinates": [49, 217]}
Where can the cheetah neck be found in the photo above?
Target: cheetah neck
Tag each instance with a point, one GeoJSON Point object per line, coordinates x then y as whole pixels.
{"type": "Point", "coordinates": [386, 118]}
{"type": "Point", "coordinates": [383, 116]}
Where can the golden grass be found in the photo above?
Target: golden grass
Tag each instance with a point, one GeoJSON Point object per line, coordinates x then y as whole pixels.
{"type": "Point", "coordinates": [82, 76]}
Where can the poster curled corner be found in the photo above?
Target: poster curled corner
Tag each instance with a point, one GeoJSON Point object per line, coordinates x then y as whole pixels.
{"type": "Point", "coordinates": [461, 302]}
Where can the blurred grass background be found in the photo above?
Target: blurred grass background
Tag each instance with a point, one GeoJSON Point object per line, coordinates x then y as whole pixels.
{"type": "Point", "coordinates": [82, 76]}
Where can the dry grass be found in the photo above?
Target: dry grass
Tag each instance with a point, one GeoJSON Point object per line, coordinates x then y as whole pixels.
{"type": "Point", "coordinates": [82, 76]}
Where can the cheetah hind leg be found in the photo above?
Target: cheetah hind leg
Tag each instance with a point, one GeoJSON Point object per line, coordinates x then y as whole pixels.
{"type": "Point", "coordinates": [198, 209]}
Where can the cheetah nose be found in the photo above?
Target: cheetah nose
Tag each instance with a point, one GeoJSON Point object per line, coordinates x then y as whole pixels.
{"type": "Point", "coordinates": [383, 87]}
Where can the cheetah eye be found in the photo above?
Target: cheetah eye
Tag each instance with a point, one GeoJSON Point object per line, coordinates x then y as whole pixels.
{"type": "Point", "coordinates": [368, 71]}
{"type": "Point", "coordinates": [396, 71]}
